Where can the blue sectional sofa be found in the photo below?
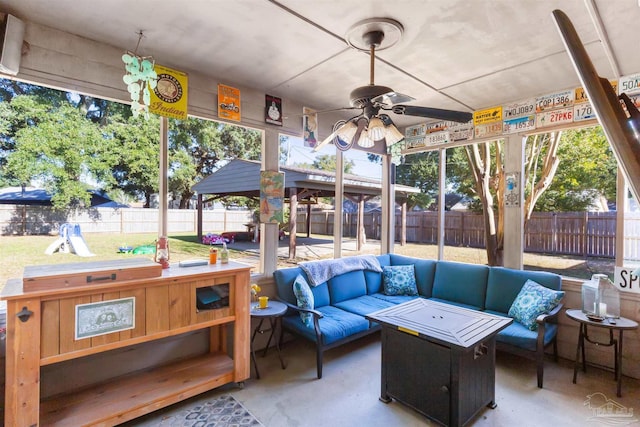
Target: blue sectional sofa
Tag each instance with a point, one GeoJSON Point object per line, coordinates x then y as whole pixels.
{"type": "Point", "coordinates": [341, 302]}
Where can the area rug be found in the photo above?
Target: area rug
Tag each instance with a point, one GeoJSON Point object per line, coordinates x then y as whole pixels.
{"type": "Point", "coordinates": [224, 411]}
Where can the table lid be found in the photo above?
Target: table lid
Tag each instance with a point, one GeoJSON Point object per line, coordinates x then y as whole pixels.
{"type": "Point", "coordinates": [444, 322]}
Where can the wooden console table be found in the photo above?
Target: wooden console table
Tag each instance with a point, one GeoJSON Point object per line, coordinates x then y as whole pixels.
{"type": "Point", "coordinates": [41, 330]}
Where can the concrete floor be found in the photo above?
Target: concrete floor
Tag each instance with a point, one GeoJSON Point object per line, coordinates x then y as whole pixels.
{"type": "Point", "coordinates": [347, 395]}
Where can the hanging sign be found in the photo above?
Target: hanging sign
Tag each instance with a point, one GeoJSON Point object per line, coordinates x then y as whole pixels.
{"type": "Point", "coordinates": [169, 98]}
{"type": "Point", "coordinates": [554, 117]}
{"type": "Point", "coordinates": [555, 100]}
{"type": "Point", "coordinates": [229, 103]}
{"type": "Point", "coordinates": [271, 196]}
{"type": "Point", "coordinates": [310, 127]}
{"type": "Point", "coordinates": [489, 115]}
{"type": "Point", "coordinates": [273, 110]}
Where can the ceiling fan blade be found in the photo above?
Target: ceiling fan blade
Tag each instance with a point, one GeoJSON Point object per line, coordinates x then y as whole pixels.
{"type": "Point", "coordinates": [433, 113]}
{"type": "Point", "coordinates": [392, 98]}
{"type": "Point", "coordinates": [328, 139]}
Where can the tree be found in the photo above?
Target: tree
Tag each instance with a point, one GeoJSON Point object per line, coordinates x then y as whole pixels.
{"type": "Point", "coordinates": [586, 176]}
{"type": "Point", "coordinates": [58, 149]}
{"type": "Point", "coordinates": [198, 147]}
{"type": "Point", "coordinates": [327, 162]}
{"type": "Point", "coordinates": [420, 170]}
{"type": "Point", "coordinates": [132, 148]}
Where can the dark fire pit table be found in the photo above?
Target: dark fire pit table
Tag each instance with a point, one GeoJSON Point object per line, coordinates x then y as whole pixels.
{"type": "Point", "coordinates": [439, 359]}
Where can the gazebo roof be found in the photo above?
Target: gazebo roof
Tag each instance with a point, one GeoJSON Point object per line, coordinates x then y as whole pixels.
{"type": "Point", "coordinates": [242, 178]}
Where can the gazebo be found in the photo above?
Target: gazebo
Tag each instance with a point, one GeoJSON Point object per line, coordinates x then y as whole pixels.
{"type": "Point", "coordinates": [301, 186]}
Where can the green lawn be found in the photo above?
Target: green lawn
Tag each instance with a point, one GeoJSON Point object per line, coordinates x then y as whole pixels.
{"type": "Point", "coordinates": [16, 252]}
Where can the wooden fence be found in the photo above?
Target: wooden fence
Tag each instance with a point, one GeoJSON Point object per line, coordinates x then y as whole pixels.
{"type": "Point", "coordinates": [42, 220]}
{"type": "Point", "coordinates": [569, 233]}
{"type": "Point", "coordinates": [572, 233]}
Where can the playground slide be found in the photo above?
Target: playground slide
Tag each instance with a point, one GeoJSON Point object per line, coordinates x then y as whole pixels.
{"type": "Point", "coordinates": [79, 246]}
{"type": "Point", "coordinates": [59, 245]}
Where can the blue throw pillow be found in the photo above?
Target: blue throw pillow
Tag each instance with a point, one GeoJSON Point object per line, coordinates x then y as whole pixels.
{"type": "Point", "coordinates": [532, 301]}
{"type": "Point", "coordinates": [304, 297]}
{"type": "Point", "coordinates": [399, 280]}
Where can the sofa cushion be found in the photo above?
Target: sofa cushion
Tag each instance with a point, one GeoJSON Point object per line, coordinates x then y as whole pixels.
{"type": "Point", "coordinates": [517, 335]}
{"type": "Point", "coordinates": [336, 324]}
{"type": "Point", "coordinates": [504, 284]}
{"type": "Point", "coordinates": [399, 280]}
{"type": "Point", "coordinates": [374, 278]}
{"type": "Point", "coordinates": [284, 279]}
{"type": "Point", "coordinates": [304, 298]}
{"type": "Point", "coordinates": [532, 301]}
{"type": "Point", "coordinates": [425, 270]}
{"type": "Point", "coordinates": [462, 283]}
{"type": "Point", "coordinates": [364, 305]}
{"type": "Point", "coordinates": [395, 299]}
{"type": "Point", "coordinates": [347, 286]}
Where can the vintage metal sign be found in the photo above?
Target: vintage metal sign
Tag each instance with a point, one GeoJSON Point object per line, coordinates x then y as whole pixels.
{"type": "Point", "coordinates": [229, 103]}
{"type": "Point", "coordinates": [105, 317]}
{"type": "Point", "coordinates": [169, 98]}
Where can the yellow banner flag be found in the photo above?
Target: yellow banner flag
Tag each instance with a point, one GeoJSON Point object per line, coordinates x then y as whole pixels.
{"type": "Point", "coordinates": [169, 98]}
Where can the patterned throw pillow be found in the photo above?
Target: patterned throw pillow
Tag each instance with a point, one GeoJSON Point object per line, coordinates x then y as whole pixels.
{"type": "Point", "coordinates": [399, 280]}
{"type": "Point", "coordinates": [532, 301]}
{"type": "Point", "coordinates": [304, 297]}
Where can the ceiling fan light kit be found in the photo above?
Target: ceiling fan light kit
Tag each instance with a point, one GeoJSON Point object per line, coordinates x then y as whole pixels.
{"type": "Point", "coordinates": [376, 129]}
{"type": "Point", "coordinates": [370, 126]}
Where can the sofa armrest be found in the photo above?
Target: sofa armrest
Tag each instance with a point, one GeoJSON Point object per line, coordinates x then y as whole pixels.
{"type": "Point", "coordinates": [316, 313]}
{"type": "Point", "coordinates": [549, 317]}
{"type": "Point", "coordinates": [542, 320]}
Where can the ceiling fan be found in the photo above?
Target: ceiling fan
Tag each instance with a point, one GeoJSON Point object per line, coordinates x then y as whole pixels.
{"type": "Point", "coordinates": [372, 124]}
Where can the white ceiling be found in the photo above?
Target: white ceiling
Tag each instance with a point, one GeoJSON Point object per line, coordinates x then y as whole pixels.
{"type": "Point", "coordinates": [453, 54]}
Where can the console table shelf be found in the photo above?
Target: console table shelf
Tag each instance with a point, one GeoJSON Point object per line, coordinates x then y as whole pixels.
{"type": "Point", "coordinates": [167, 305]}
{"type": "Point", "coordinates": [119, 400]}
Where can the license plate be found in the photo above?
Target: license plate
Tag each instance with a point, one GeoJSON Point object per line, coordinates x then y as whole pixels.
{"type": "Point", "coordinates": [582, 112]}
{"type": "Point", "coordinates": [519, 124]}
{"type": "Point", "coordinates": [555, 117]}
{"type": "Point", "coordinates": [520, 109]}
{"type": "Point", "coordinates": [555, 100]}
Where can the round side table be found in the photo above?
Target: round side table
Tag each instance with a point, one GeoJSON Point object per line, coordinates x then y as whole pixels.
{"type": "Point", "coordinates": [274, 312]}
{"type": "Point", "coordinates": [621, 324]}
